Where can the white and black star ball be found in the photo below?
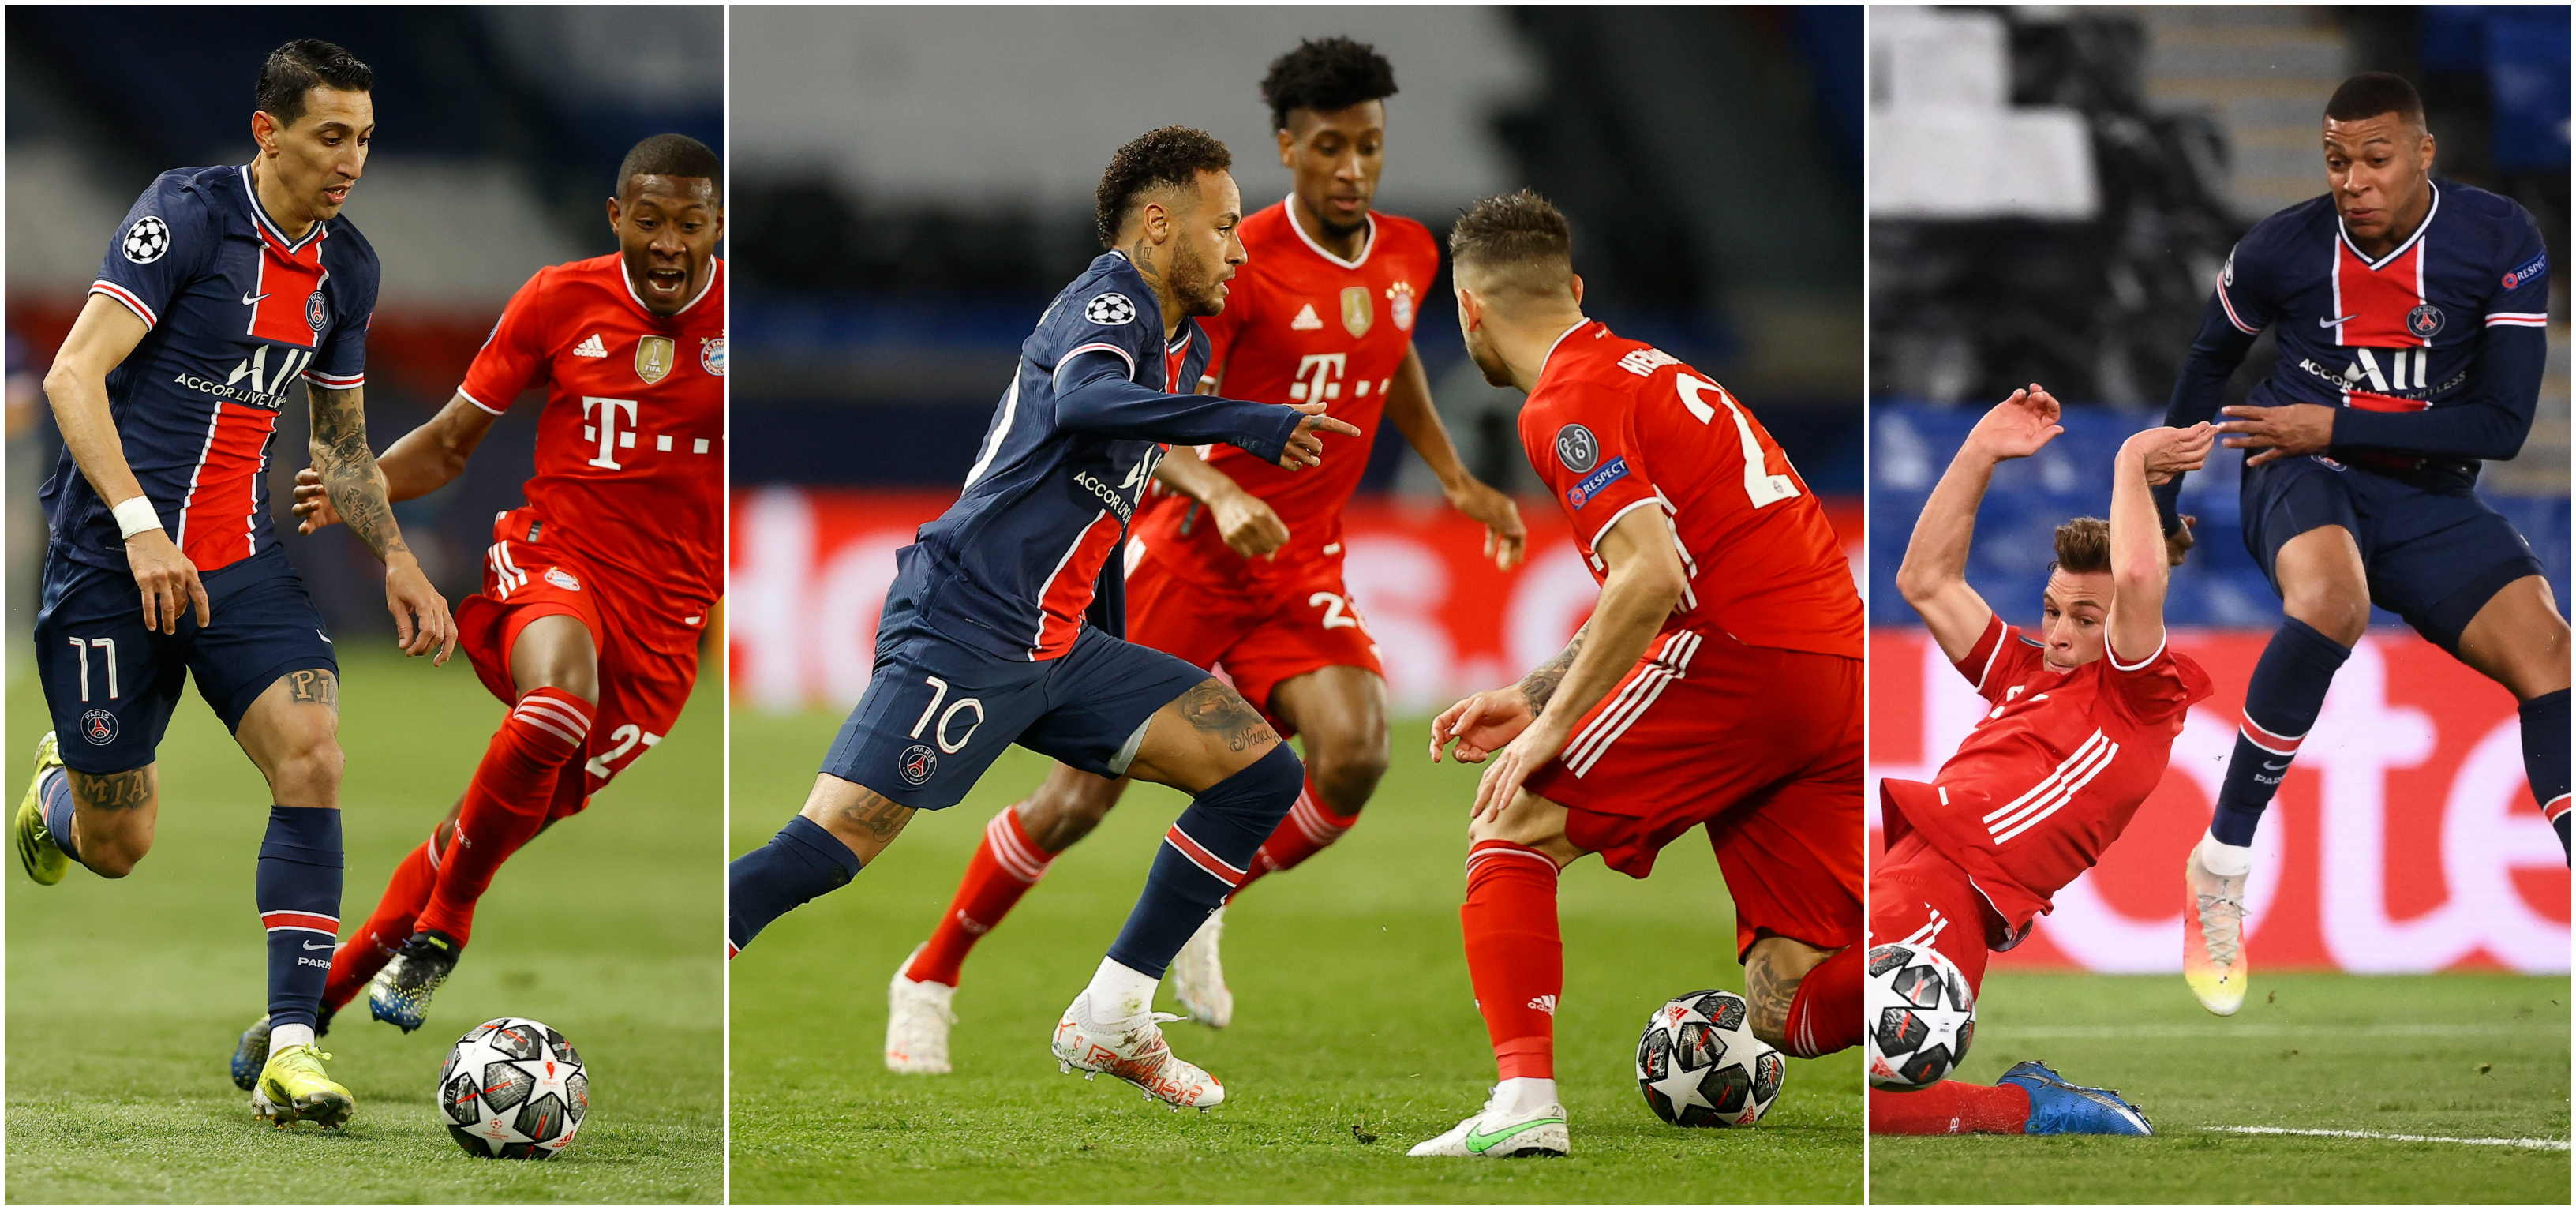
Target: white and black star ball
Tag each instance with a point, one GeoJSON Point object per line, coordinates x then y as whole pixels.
{"type": "Point", "coordinates": [1111, 309]}
{"type": "Point", "coordinates": [146, 240]}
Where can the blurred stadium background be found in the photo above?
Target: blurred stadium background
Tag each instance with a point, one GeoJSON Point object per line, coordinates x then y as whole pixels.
{"type": "Point", "coordinates": [2052, 191]}
{"type": "Point", "coordinates": [499, 130]}
{"type": "Point", "coordinates": [897, 241]}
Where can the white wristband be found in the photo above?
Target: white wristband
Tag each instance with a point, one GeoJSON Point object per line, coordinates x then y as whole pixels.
{"type": "Point", "coordinates": [136, 515]}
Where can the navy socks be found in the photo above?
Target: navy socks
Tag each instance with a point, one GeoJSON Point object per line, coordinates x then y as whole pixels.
{"type": "Point", "coordinates": [54, 795]}
{"type": "Point", "coordinates": [802, 861]}
{"type": "Point", "coordinates": [2544, 756]}
{"type": "Point", "coordinates": [2281, 703]}
{"type": "Point", "coordinates": [299, 904]}
{"type": "Point", "coordinates": [1203, 859]}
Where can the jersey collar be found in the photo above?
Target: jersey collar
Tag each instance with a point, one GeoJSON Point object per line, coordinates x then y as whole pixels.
{"type": "Point", "coordinates": [1289, 204]}
{"type": "Point", "coordinates": [703, 291]}
{"type": "Point", "coordinates": [2399, 250]}
{"type": "Point", "coordinates": [268, 226]}
{"type": "Point", "coordinates": [1579, 325]}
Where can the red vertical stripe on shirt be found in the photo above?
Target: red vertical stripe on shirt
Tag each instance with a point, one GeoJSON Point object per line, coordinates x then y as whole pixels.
{"type": "Point", "coordinates": [1068, 592]}
{"type": "Point", "coordinates": [217, 520]}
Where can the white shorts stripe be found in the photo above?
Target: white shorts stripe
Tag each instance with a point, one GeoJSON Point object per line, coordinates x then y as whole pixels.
{"type": "Point", "coordinates": [1688, 644]}
{"type": "Point", "coordinates": [1627, 693]}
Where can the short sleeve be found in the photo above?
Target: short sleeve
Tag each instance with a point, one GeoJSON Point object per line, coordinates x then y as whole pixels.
{"type": "Point", "coordinates": [341, 363]}
{"type": "Point", "coordinates": [2156, 689]}
{"type": "Point", "coordinates": [1103, 318]}
{"type": "Point", "coordinates": [2522, 295]}
{"type": "Point", "coordinates": [1998, 659]}
{"type": "Point", "coordinates": [2244, 288]}
{"type": "Point", "coordinates": [514, 357]}
{"type": "Point", "coordinates": [164, 241]}
{"type": "Point", "coordinates": [1586, 454]}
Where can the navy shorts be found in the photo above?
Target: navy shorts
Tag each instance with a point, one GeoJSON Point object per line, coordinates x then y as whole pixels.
{"type": "Point", "coordinates": [113, 682]}
{"type": "Point", "coordinates": [938, 712]}
{"type": "Point", "coordinates": [2434, 553]}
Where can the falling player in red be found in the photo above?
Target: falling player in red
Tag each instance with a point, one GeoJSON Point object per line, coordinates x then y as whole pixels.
{"type": "Point", "coordinates": [1717, 684]}
{"type": "Point", "coordinates": [595, 594]}
{"type": "Point", "coordinates": [1237, 562]}
{"type": "Point", "coordinates": [2084, 719]}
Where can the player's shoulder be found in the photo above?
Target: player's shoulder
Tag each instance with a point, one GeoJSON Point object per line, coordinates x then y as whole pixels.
{"type": "Point", "coordinates": [191, 196]}
{"type": "Point", "coordinates": [1407, 236]}
{"type": "Point", "coordinates": [348, 244]}
{"type": "Point", "coordinates": [1267, 226]}
{"type": "Point", "coordinates": [1110, 297]}
{"type": "Point", "coordinates": [2497, 225]}
{"type": "Point", "coordinates": [2291, 226]}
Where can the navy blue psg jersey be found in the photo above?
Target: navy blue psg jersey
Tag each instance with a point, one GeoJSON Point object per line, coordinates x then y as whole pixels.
{"type": "Point", "coordinates": [238, 313]}
{"type": "Point", "coordinates": [2406, 331]}
{"type": "Point", "coordinates": [1024, 556]}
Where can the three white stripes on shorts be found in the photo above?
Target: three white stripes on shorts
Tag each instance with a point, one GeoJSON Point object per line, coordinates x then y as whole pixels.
{"type": "Point", "coordinates": [1630, 705]}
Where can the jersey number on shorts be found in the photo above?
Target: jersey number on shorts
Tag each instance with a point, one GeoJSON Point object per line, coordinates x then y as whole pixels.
{"type": "Point", "coordinates": [627, 736]}
{"type": "Point", "coordinates": [105, 647]}
{"type": "Point", "coordinates": [939, 693]}
{"type": "Point", "coordinates": [1760, 485]}
{"type": "Point", "coordinates": [1337, 610]}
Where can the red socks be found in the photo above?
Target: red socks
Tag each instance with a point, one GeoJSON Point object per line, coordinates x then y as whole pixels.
{"type": "Point", "coordinates": [1308, 827]}
{"type": "Point", "coordinates": [1825, 1014]}
{"type": "Point", "coordinates": [507, 801]}
{"type": "Point", "coordinates": [367, 950]}
{"type": "Point", "coordinates": [1005, 866]}
{"type": "Point", "coordinates": [1514, 958]}
{"type": "Point", "coordinates": [1951, 1107]}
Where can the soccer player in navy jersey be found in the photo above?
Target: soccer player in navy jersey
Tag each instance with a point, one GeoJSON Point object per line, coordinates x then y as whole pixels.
{"type": "Point", "coordinates": [223, 288]}
{"type": "Point", "coordinates": [1003, 622]}
{"type": "Point", "coordinates": [2410, 315]}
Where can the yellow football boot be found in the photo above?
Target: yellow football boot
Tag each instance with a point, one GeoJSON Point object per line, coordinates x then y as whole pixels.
{"type": "Point", "coordinates": [44, 860]}
{"type": "Point", "coordinates": [293, 1088]}
{"type": "Point", "coordinates": [2213, 937]}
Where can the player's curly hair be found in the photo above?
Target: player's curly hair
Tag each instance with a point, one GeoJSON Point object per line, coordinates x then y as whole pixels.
{"type": "Point", "coordinates": [674, 155]}
{"type": "Point", "coordinates": [2373, 93]}
{"type": "Point", "coordinates": [301, 66]}
{"type": "Point", "coordinates": [1325, 75]}
{"type": "Point", "coordinates": [1172, 157]}
{"type": "Point", "coordinates": [1517, 242]}
{"type": "Point", "coordinates": [2084, 545]}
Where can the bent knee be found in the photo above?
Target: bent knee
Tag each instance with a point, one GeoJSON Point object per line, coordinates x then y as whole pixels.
{"type": "Point", "coordinates": [1530, 822]}
{"type": "Point", "coordinates": [114, 856]}
{"type": "Point", "coordinates": [308, 766]}
{"type": "Point", "coordinates": [1346, 775]}
{"type": "Point", "coordinates": [2337, 610]}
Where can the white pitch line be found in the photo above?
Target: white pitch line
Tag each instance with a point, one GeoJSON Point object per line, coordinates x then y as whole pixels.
{"type": "Point", "coordinates": [2215, 1030]}
{"type": "Point", "coordinates": [2537, 1144]}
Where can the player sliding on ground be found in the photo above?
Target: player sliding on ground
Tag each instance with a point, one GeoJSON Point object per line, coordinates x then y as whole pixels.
{"type": "Point", "coordinates": [2084, 716]}
{"type": "Point", "coordinates": [1003, 621]}
{"type": "Point", "coordinates": [1717, 684]}
{"type": "Point", "coordinates": [223, 289]}
{"type": "Point", "coordinates": [1237, 561]}
{"type": "Point", "coordinates": [2412, 317]}
{"type": "Point", "coordinates": [596, 592]}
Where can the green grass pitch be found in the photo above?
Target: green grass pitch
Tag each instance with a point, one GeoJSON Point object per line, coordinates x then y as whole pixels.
{"type": "Point", "coordinates": [124, 998]}
{"type": "Point", "coordinates": [1355, 1035]}
{"type": "Point", "coordinates": [2453, 1056]}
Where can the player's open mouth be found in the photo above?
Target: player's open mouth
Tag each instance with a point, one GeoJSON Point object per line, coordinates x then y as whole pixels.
{"type": "Point", "coordinates": [337, 193]}
{"type": "Point", "coordinates": [666, 281]}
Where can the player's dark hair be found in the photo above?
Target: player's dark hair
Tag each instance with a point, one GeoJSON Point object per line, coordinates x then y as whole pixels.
{"type": "Point", "coordinates": [2373, 93]}
{"type": "Point", "coordinates": [1173, 156]}
{"type": "Point", "coordinates": [1325, 75]}
{"type": "Point", "coordinates": [675, 155]}
{"type": "Point", "coordinates": [1517, 242]}
{"type": "Point", "coordinates": [2084, 544]}
{"type": "Point", "coordinates": [301, 66]}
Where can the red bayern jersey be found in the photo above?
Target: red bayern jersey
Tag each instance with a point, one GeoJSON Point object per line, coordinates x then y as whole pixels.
{"type": "Point", "coordinates": [1615, 425]}
{"type": "Point", "coordinates": [631, 446]}
{"type": "Point", "coordinates": [2051, 775]}
{"type": "Point", "coordinates": [1301, 323]}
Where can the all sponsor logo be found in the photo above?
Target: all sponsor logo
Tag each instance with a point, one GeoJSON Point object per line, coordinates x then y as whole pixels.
{"type": "Point", "coordinates": [1109, 310]}
{"type": "Point", "coordinates": [1582, 493]}
{"type": "Point", "coordinates": [99, 727]}
{"type": "Point", "coordinates": [654, 356]}
{"type": "Point", "coordinates": [1357, 312]}
{"type": "Point", "coordinates": [1577, 448]}
{"type": "Point", "coordinates": [711, 355]}
{"type": "Point", "coordinates": [917, 764]}
{"type": "Point", "coordinates": [146, 240]}
{"type": "Point", "coordinates": [2424, 321]}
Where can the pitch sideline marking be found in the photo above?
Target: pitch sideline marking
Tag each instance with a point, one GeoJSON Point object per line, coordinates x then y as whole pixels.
{"type": "Point", "coordinates": [2537, 1144]}
{"type": "Point", "coordinates": [2386, 1030]}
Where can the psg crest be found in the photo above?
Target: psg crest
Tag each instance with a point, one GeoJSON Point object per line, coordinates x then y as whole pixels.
{"type": "Point", "coordinates": [917, 764]}
{"type": "Point", "coordinates": [99, 727]}
{"type": "Point", "coordinates": [653, 358]}
{"type": "Point", "coordinates": [317, 312]}
{"type": "Point", "coordinates": [2424, 321]}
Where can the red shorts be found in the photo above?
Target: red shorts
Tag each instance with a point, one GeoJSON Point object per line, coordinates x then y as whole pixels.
{"type": "Point", "coordinates": [1760, 745]}
{"type": "Point", "coordinates": [647, 664]}
{"type": "Point", "coordinates": [1917, 895]}
{"type": "Point", "coordinates": [1283, 631]}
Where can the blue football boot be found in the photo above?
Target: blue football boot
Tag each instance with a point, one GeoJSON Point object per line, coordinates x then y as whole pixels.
{"type": "Point", "coordinates": [2057, 1107]}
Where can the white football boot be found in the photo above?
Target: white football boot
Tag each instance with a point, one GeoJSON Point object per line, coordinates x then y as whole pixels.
{"type": "Point", "coordinates": [917, 1021]}
{"type": "Point", "coordinates": [1198, 976]}
{"type": "Point", "coordinates": [2213, 936]}
{"type": "Point", "coordinates": [1496, 1131]}
{"type": "Point", "coordinates": [1132, 1050]}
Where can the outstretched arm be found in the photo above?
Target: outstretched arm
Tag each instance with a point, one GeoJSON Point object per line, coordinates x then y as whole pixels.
{"type": "Point", "coordinates": [356, 488]}
{"type": "Point", "coordinates": [1934, 577]}
{"type": "Point", "coordinates": [2200, 386]}
{"type": "Point", "coordinates": [1094, 395]}
{"type": "Point", "coordinates": [2138, 551]}
{"type": "Point", "coordinates": [1408, 408]}
{"type": "Point", "coordinates": [423, 461]}
{"type": "Point", "coordinates": [100, 340]}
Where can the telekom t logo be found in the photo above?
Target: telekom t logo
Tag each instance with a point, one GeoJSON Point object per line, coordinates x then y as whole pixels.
{"type": "Point", "coordinates": [605, 428]}
{"type": "Point", "coordinates": [1319, 377]}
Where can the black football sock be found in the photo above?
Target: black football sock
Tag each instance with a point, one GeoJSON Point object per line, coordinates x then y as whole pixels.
{"type": "Point", "coordinates": [2281, 703]}
{"type": "Point", "coordinates": [299, 903]}
{"type": "Point", "coordinates": [1203, 858]}
{"type": "Point", "coordinates": [802, 861]}
{"type": "Point", "coordinates": [2544, 756]}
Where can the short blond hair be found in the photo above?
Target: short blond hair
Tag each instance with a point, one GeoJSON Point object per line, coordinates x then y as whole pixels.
{"type": "Point", "coordinates": [1517, 243]}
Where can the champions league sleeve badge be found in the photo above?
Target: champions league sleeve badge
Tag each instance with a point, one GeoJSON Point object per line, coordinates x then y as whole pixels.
{"type": "Point", "coordinates": [1109, 310]}
{"type": "Point", "coordinates": [146, 240]}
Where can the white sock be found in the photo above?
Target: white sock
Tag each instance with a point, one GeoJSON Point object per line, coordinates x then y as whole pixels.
{"type": "Point", "coordinates": [1119, 992]}
{"type": "Point", "coordinates": [1524, 1095]}
{"type": "Point", "coordinates": [289, 1035]}
{"type": "Point", "coordinates": [2224, 859]}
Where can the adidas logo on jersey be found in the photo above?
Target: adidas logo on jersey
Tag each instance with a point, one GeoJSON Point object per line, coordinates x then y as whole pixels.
{"type": "Point", "coordinates": [590, 347]}
{"type": "Point", "coordinates": [1306, 320]}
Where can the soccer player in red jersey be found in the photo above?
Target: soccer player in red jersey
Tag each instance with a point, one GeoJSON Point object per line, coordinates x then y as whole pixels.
{"type": "Point", "coordinates": [595, 594]}
{"type": "Point", "coordinates": [2084, 719]}
{"type": "Point", "coordinates": [1717, 684]}
{"type": "Point", "coordinates": [1239, 562]}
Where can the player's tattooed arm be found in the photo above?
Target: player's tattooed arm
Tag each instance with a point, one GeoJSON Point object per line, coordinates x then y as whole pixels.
{"type": "Point", "coordinates": [349, 472]}
{"type": "Point", "coordinates": [1219, 711]}
{"type": "Point", "coordinates": [1542, 681]}
{"type": "Point", "coordinates": [113, 791]}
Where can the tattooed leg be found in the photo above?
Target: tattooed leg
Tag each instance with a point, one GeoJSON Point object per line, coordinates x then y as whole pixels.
{"type": "Point", "coordinates": [1773, 968]}
{"type": "Point", "coordinates": [293, 734]}
{"type": "Point", "coordinates": [855, 815]}
{"type": "Point", "coordinates": [1202, 737]}
{"type": "Point", "coordinates": [113, 815]}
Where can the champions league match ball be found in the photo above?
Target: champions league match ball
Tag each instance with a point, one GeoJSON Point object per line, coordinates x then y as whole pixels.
{"type": "Point", "coordinates": [1699, 1066]}
{"type": "Point", "coordinates": [513, 1089]}
{"type": "Point", "coordinates": [1921, 1017]}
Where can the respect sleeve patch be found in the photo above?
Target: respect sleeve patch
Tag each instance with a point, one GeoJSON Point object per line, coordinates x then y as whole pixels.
{"type": "Point", "coordinates": [1611, 472]}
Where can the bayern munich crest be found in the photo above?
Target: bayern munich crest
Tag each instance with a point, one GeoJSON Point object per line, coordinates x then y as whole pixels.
{"type": "Point", "coordinates": [1400, 304]}
{"type": "Point", "coordinates": [99, 727]}
{"type": "Point", "coordinates": [711, 355]}
{"type": "Point", "coordinates": [317, 311]}
{"type": "Point", "coordinates": [2425, 320]}
{"type": "Point", "coordinates": [917, 764]}
{"type": "Point", "coordinates": [146, 240]}
{"type": "Point", "coordinates": [1110, 309]}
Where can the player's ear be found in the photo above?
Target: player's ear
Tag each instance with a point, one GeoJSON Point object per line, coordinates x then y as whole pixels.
{"type": "Point", "coordinates": [616, 216]}
{"type": "Point", "coordinates": [1287, 149]}
{"type": "Point", "coordinates": [1574, 282]}
{"type": "Point", "coordinates": [263, 129]}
